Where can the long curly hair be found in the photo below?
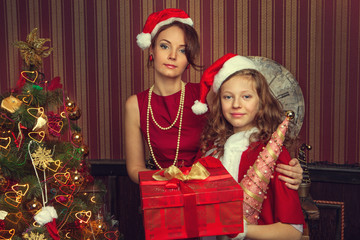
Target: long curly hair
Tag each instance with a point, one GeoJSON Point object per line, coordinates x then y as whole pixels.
{"type": "Point", "coordinates": [267, 119]}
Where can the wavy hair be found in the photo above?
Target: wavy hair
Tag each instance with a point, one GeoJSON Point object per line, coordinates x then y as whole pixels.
{"type": "Point", "coordinates": [267, 119]}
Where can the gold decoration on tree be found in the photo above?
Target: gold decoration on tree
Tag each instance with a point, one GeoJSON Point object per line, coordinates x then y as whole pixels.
{"type": "Point", "coordinates": [84, 150]}
{"type": "Point", "coordinates": [3, 181]}
{"type": "Point", "coordinates": [74, 112]}
{"type": "Point", "coordinates": [75, 115]}
{"type": "Point", "coordinates": [98, 227]}
{"type": "Point", "coordinates": [33, 50]}
{"type": "Point", "coordinates": [33, 205]}
{"type": "Point", "coordinates": [33, 236]}
{"type": "Point", "coordinates": [77, 138]}
{"type": "Point", "coordinates": [42, 158]}
{"type": "Point", "coordinates": [11, 104]}
{"type": "Point", "coordinates": [69, 105]}
{"type": "Point", "coordinates": [77, 178]}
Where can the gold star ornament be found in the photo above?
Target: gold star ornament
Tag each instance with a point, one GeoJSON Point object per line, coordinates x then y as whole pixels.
{"type": "Point", "coordinates": [33, 50]}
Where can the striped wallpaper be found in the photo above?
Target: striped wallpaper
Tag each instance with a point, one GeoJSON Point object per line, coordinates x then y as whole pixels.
{"type": "Point", "coordinates": [96, 56]}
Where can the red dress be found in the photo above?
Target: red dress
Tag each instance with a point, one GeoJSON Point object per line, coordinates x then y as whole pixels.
{"type": "Point", "coordinates": [163, 142]}
{"type": "Point", "coordinates": [282, 204]}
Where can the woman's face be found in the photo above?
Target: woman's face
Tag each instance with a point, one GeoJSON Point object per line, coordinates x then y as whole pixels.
{"type": "Point", "coordinates": [169, 53]}
{"type": "Point", "coordinates": [239, 102]}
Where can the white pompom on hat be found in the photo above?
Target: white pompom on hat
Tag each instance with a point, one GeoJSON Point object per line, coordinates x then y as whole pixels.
{"type": "Point", "coordinates": [158, 19]}
{"type": "Point", "coordinates": [216, 74]}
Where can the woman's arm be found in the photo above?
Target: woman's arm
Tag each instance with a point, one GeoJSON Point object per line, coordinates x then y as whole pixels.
{"type": "Point", "coordinates": [134, 144]}
{"type": "Point", "coordinates": [293, 173]}
{"type": "Point", "coordinates": [276, 231]}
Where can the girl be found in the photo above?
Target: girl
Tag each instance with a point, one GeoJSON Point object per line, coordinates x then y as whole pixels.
{"type": "Point", "coordinates": [243, 116]}
{"type": "Point", "coordinates": [161, 116]}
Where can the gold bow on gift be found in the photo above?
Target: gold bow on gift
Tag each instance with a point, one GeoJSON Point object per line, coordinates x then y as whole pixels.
{"type": "Point", "coordinates": [197, 172]}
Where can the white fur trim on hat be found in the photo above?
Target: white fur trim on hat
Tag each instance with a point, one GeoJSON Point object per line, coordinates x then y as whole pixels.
{"type": "Point", "coordinates": [3, 214]}
{"type": "Point", "coordinates": [187, 21]}
{"type": "Point", "coordinates": [45, 215]}
{"type": "Point", "coordinates": [144, 39]}
{"type": "Point", "coordinates": [199, 108]}
{"type": "Point", "coordinates": [231, 66]}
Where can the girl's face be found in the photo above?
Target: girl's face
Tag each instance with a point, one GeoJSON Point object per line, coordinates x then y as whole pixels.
{"type": "Point", "coordinates": [169, 53]}
{"type": "Point", "coordinates": [239, 102]}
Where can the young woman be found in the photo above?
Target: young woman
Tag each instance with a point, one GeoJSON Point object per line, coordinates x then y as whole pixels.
{"type": "Point", "coordinates": [243, 116]}
{"type": "Point", "coordinates": [161, 116]}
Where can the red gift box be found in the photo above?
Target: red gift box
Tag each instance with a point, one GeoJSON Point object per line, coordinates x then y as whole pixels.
{"type": "Point", "coordinates": [194, 208]}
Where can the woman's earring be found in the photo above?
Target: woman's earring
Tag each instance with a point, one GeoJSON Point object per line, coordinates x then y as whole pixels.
{"type": "Point", "coordinates": [151, 58]}
{"type": "Point", "coordinates": [188, 66]}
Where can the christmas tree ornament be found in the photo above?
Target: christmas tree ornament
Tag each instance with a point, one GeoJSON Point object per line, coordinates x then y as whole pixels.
{"type": "Point", "coordinates": [35, 112]}
{"type": "Point", "coordinates": [255, 182]}
{"type": "Point", "coordinates": [98, 227]}
{"type": "Point", "coordinates": [112, 235]}
{"type": "Point", "coordinates": [33, 236]}
{"type": "Point", "coordinates": [46, 216]}
{"type": "Point", "coordinates": [33, 205]}
{"type": "Point", "coordinates": [42, 158]}
{"type": "Point", "coordinates": [5, 142]}
{"type": "Point", "coordinates": [84, 149]}
{"type": "Point", "coordinates": [65, 200]}
{"type": "Point", "coordinates": [83, 216]}
{"type": "Point", "coordinates": [62, 178]}
{"type": "Point", "coordinates": [77, 138]}
{"type": "Point", "coordinates": [37, 136]}
{"type": "Point", "coordinates": [26, 98]}
{"type": "Point", "coordinates": [20, 189]}
{"type": "Point", "coordinates": [69, 105]}
{"type": "Point", "coordinates": [55, 127]}
{"type": "Point", "coordinates": [11, 104]}
{"type": "Point", "coordinates": [12, 199]}
{"type": "Point", "coordinates": [3, 181]}
{"type": "Point", "coordinates": [33, 50]}
{"type": "Point", "coordinates": [15, 196]}
{"type": "Point", "coordinates": [78, 178]}
{"type": "Point", "coordinates": [7, 234]}
{"type": "Point", "coordinates": [30, 76]}
{"type": "Point", "coordinates": [75, 115]}
{"type": "Point", "coordinates": [40, 122]}
{"type": "Point", "coordinates": [14, 218]}
{"type": "Point", "coordinates": [54, 166]}
{"type": "Point", "coordinates": [68, 189]}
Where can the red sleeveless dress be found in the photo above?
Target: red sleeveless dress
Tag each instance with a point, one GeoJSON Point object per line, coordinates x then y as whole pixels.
{"type": "Point", "coordinates": [163, 142]}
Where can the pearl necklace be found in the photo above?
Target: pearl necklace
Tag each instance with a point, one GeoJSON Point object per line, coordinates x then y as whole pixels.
{"type": "Point", "coordinates": [179, 113]}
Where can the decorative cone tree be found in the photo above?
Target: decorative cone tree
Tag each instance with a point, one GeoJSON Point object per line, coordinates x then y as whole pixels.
{"type": "Point", "coordinates": [46, 188]}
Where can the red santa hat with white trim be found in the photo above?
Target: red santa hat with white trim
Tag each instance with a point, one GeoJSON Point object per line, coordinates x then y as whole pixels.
{"type": "Point", "coordinates": [216, 74]}
{"type": "Point", "coordinates": [158, 19]}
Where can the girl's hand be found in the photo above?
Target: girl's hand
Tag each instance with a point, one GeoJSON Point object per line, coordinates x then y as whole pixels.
{"type": "Point", "coordinates": [292, 173]}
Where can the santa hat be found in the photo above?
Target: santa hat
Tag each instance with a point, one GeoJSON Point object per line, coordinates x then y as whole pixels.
{"type": "Point", "coordinates": [158, 19]}
{"type": "Point", "coordinates": [46, 216]}
{"type": "Point", "coordinates": [216, 74]}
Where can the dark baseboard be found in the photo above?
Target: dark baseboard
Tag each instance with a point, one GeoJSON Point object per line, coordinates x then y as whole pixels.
{"type": "Point", "coordinates": [323, 173]}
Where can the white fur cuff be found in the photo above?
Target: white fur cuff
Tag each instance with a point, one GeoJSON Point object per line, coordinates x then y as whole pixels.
{"type": "Point", "coordinates": [46, 215]}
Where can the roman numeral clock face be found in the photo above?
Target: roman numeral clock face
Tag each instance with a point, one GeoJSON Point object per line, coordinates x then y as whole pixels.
{"type": "Point", "coordinates": [284, 87]}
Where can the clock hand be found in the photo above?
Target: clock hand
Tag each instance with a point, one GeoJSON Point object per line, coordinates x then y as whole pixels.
{"type": "Point", "coordinates": [283, 95]}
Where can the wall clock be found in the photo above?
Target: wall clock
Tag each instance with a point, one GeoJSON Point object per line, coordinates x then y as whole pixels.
{"type": "Point", "coordinates": [284, 87]}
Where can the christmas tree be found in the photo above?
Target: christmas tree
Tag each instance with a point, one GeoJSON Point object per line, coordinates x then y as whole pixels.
{"type": "Point", "coordinates": [46, 188]}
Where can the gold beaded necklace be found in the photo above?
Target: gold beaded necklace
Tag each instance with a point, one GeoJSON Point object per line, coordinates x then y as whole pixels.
{"type": "Point", "coordinates": [179, 113]}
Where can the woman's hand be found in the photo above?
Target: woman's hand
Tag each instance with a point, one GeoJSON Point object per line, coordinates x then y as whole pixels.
{"type": "Point", "coordinates": [292, 173]}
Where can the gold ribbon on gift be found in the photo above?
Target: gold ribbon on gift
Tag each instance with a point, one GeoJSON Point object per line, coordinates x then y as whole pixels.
{"type": "Point", "coordinates": [197, 172]}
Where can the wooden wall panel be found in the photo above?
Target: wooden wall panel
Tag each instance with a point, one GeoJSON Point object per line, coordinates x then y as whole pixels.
{"type": "Point", "coordinates": [96, 56]}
